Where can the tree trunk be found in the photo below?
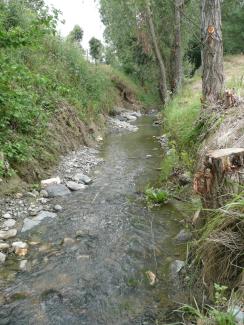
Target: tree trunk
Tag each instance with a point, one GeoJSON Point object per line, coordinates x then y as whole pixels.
{"type": "Point", "coordinates": [222, 176]}
{"type": "Point", "coordinates": [162, 82]}
{"type": "Point", "coordinates": [176, 53]}
{"type": "Point", "coordinates": [212, 52]}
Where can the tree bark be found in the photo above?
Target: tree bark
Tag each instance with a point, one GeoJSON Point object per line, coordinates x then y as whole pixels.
{"type": "Point", "coordinates": [212, 51]}
{"type": "Point", "coordinates": [176, 53]}
{"type": "Point", "coordinates": [162, 81]}
{"type": "Point", "coordinates": [223, 175]}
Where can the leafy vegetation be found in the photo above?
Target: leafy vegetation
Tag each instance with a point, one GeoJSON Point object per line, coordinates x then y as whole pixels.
{"type": "Point", "coordinates": [40, 73]}
{"type": "Point", "coordinates": [156, 196]}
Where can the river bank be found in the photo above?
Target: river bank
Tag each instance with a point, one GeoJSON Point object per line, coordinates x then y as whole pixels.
{"type": "Point", "coordinates": [88, 260]}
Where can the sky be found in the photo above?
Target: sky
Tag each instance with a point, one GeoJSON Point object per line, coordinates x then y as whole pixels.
{"type": "Point", "coordinates": [84, 13]}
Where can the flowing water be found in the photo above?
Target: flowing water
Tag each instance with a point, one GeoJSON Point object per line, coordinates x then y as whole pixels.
{"type": "Point", "coordinates": [100, 278]}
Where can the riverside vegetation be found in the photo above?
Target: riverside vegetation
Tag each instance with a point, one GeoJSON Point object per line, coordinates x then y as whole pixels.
{"type": "Point", "coordinates": [48, 90]}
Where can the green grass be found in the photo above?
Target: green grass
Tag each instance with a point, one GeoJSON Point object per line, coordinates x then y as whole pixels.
{"type": "Point", "coordinates": [181, 114]}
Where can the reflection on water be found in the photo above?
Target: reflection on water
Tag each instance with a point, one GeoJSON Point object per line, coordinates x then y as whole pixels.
{"type": "Point", "coordinates": [99, 277]}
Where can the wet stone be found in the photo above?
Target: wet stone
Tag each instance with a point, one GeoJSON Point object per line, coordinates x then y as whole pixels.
{"type": "Point", "coordinates": [183, 236]}
{"type": "Point", "coordinates": [9, 223]}
{"type": "Point", "coordinates": [31, 223]}
{"type": "Point", "coordinates": [8, 234]}
{"type": "Point", "coordinates": [4, 247]}
{"type": "Point", "coordinates": [81, 178]}
{"type": "Point", "coordinates": [73, 186]}
{"type": "Point", "coordinates": [2, 258]}
{"type": "Point", "coordinates": [58, 208]}
{"type": "Point", "coordinates": [7, 216]}
{"type": "Point", "coordinates": [57, 190]}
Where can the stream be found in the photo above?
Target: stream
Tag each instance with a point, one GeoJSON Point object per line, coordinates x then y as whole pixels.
{"type": "Point", "coordinates": [98, 276]}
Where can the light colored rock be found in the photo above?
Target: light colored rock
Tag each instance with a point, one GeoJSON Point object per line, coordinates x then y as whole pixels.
{"type": "Point", "coordinates": [183, 236]}
{"type": "Point", "coordinates": [4, 247]}
{"type": "Point", "coordinates": [31, 223]}
{"type": "Point", "coordinates": [58, 208]}
{"type": "Point", "coordinates": [44, 193]}
{"type": "Point", "coordinates": [81, 178]}
{"type": "Point", "coordinates": [20, 248]}
{"type": "Point", "coordinates": [238, 313]}
{"type": "Point", "coordinates": [2, 258]}
{"type": "Point", "coordinates": [7, 216]}
{"type": "Point", "coordinates": [19, 244]}
{"type": "Point", "coordinates": [151, 277]}
{"type": "Point", "coordinates": [56, 190]}
{"type": "Point", "coordinates": [99, 139]}
{"type": "Point", "coordinates": [18, 195]}
{"type": "Point", "coordinates": [8, 234]}
{"type": "Point", "coordinates": [176, 267]}
{"type": "Point", "coordinates": [83, 257]}
{"type": "Point", "coordinates": [23, 265]}
{"type": "Point", "coordinates": [9, 223]}
{"type": "Point", "coordinates": [73, 186]}
{"type": "Point", "coordinates": [68, 241]}
{"type": "Point", "coordinates": [50, 181]}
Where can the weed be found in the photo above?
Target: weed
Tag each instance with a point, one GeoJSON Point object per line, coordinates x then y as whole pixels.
{"type": "Point", "coordinates": [156, 196]}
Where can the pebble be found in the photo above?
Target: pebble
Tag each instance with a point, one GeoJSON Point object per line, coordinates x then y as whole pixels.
{"type": "Point", "coordinates": [58, 208]}
{"type": "Point", "coordinates": [73, 186]}
{"type": "Point", "coordinates": [7, 216]}
{"type": "Point", "coordinates": [23, 265]}
{"type": "Point", "coordinates": [44, 194]}
{"type": "Point", "coordinates": [68, 241]}
{"type": "Point", "coordinates": [2, 258]}
{"type": "Point", "coordinates": [20, 248]}
{"type": "Point", "coordinates": [183, 236]}
{"type": "Point", "coordinates": [8, 234]}
{"type": "Point", "coordinates": [9, 223]}
{"type": "Point", "coordinates": [4, 247]}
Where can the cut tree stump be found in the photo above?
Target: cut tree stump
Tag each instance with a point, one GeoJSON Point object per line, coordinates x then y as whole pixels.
{"type": "Point", "coordinates": [222, 176]}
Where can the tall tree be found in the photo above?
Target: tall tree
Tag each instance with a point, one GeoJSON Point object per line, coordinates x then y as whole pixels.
{"type": "Point", "coordinates": [163, 82]}
{"type": "Point", "coordinates": [76, 34]}
{"type": "Point", "coordinates": [176, 52]}
{"type": "Point", "coordinates": [212, 52]}
{"type": "Point", "coordinates": [95, 49]}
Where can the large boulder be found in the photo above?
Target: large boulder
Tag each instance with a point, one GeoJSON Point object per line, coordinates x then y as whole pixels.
{"type": "Point", "coordinates": [55, 190]}
{"type": "Point", "coordinates": [31, 223]}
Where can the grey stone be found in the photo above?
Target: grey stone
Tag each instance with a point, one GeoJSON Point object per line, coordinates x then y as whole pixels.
{"type": "Point", "coordinates": [19, 244]}
{"type": "Point", "coordinates": [55, 190]}
{"type": "Point", "coordinates": [58, 208]}
{"type": "Point", "coordinates": [68, 241]}
{"type": "Point", "coordinates": [183, 236]}
{"type": "Point", "coordinates": [44, 194]}
{"type": "Point", "coordinates": [73, 186]}
{"type": "Point", "coordinates": [176, 267]}
{"type": "Point", "coordinates": [81, 178]}
{"type": "Point", "coordinates": [9, 223]}
{"type": "Point", "coordinates": [8, 234]}
{"type": "Point", "coordinates": [7, 216]}
{"type": "Point", "coordinates": [2, 258]}
{"type": "Point", "coordinates": [23, 265]}
{"type": "Point", "coordinates": [184, 179]}
{"type": "Point", "coordinates": [4, 247]}
{"type": "Point", "coordinates": [31, 223]}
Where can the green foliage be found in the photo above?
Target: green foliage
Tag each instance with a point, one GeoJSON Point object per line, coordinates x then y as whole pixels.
{"type": "Point", "coordinates": [76, 34]}
{"type": "Point", "coordinates": [156, 196]}
{"type": "Point", "coordinates": [39, 72]}
{"type": "Point", "coordinates": [170, 161]}
{"type": "Point", "coordinates": [96, 48]}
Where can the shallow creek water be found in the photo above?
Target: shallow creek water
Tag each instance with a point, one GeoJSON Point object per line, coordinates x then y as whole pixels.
{"type": "Point", "coordinates": [100, 278]}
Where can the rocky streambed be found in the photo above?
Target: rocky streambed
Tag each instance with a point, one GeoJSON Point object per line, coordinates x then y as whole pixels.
{"type": "Point", "coordinates": [85, 248]}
